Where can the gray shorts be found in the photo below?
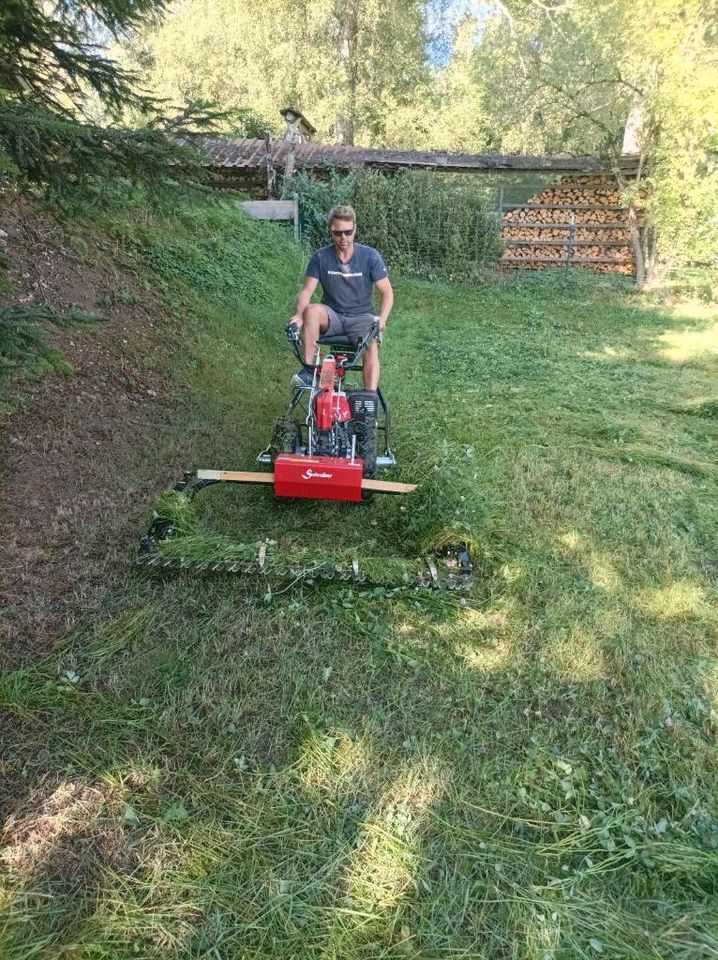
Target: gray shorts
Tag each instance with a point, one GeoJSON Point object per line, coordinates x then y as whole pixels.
{"type": "Point", "coordinates": [341, 325]}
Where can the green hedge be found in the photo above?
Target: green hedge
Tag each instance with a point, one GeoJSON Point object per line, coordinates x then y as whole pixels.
{"type": "Point", "coordinates": [424, 223]}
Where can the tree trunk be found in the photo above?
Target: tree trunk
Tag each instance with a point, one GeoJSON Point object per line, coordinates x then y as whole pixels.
{"type": "Point", "coordinates": [637, 235]}
{"type": "Point", "coordinates": [643, 239]}
{"type": "Point", "coordinates": [348, 16]}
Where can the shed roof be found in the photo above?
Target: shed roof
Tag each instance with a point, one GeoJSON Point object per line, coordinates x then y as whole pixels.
{"type": "Point", "coordinates": [258, 154]}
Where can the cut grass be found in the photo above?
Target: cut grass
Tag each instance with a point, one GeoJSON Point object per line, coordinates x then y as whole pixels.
{"type": "Point", "coordinates": [344, 773]}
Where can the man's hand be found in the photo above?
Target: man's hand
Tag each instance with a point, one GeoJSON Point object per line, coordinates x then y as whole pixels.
{"type": "Point", "coordinates": [297, 320]}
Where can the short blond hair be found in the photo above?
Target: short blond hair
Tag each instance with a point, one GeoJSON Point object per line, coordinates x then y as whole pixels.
{"type": "Point", "coordinates": [342, 212]}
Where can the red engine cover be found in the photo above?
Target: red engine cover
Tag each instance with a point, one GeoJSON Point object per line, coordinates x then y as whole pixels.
{"type": "Point", "coordinates": [331, 408]}
{"type": "Point", "coordinates": [318, 478]}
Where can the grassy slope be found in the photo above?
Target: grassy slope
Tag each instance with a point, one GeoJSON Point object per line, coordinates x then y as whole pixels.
{"type": "Point", "coordinates": [342, 774]}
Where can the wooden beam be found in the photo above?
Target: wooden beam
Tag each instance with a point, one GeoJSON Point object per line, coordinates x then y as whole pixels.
{"type": "Point", "coordinates": [245, 154]}
{"type": "Point", "coordinates": [387, 486]}
{"type": "Point", "coordinates": [562, 261]}
{"type": "Point", "coordinates": [235, 476]}
{"type": "Point", "coordinates": [561, 206]}
{"type": "Point", "coordinates": [527, 224]}
{"type": "Point", "coordinates": [562, 242]}
{"type": "Point", "coordinates": [246, 476]}
{"type": "Point", "coordinates": [269, 209]}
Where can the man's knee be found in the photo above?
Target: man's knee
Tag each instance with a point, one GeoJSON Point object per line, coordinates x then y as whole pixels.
{"type": "Point", "coordinates": [315, 313]}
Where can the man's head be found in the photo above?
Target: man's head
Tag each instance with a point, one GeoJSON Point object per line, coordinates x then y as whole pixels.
{"type": "Point", "coordinates": [342, 226]}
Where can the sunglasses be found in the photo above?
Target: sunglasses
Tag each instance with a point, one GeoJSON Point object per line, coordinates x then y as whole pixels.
{"type": "Point", "coordinates": [343, 233]}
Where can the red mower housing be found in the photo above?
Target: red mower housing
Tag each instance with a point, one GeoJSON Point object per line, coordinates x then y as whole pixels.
{"type": "Point", "coordinates": [318, 478]}
{"type": "Point", "coordinates": [330, 404]}
{"type": "Point", "coordinates": [331, 408]}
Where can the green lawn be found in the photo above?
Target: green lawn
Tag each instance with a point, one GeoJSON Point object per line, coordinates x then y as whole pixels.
{"type": "Point", "coordinates": [215, 770]}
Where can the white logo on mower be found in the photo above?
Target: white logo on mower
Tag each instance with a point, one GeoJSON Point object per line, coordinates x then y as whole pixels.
{"type": "Point", "coordinates": [316, 475]}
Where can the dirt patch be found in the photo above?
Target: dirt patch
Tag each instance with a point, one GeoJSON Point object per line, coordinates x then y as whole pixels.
{"type": "Point", "coordinates": [76, 457]}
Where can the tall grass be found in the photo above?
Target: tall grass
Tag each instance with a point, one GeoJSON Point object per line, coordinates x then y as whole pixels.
{"type": "Point", "coordinates": [209, 769]}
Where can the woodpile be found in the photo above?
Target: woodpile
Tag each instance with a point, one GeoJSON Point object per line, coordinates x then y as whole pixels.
{"type": "Point", "coordinates": [579, 223]}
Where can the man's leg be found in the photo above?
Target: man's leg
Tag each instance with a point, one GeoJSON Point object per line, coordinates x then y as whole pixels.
{"type": "Point", "coordinates": [356, 329]}
{"type": "Point", "coordinates": [371, 366]}
{"type": "Point", "coordinates": [316, 322]}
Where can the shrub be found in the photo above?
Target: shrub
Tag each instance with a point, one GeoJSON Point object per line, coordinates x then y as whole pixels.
{"type": "Point", "coordinates": [424, 223]}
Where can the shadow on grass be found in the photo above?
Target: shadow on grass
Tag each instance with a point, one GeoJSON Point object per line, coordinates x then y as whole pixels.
{"type": "Point", "coordinates": [438, 778]}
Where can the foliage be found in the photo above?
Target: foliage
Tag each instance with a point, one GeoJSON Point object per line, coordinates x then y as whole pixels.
{"type": "Point", "coordinates": [348, 65]}
{"type": "Point", "coordinates": [519, 76]}
{"type": "Point", "coordinates": [422, 222]}
{"type": "Point", "coordinates": [567, 77]}
{"type": "Point", "coordinates": [23, 345]}
{"type": "Point", "coordinates": [20, 338]}
{"type": "Point", "coordinates": [53, 149]}
{"type": "Point", "coordinates": [317, 195]}
{"type": "Point", "coordinates": [53, 75]}
{"type": "Point", "coordinates": [47, 56]}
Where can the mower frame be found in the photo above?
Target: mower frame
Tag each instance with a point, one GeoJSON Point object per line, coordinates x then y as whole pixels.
{"type": "Point", "coordinates": [349, 357]}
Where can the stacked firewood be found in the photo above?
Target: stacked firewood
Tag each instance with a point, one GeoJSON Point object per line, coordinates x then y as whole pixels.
{"type": "Point", "coordinates": [579, 222]}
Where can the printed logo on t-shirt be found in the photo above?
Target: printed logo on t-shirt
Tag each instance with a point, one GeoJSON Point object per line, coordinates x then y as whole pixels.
{"type": "Point", "coordinates": [340, 273]}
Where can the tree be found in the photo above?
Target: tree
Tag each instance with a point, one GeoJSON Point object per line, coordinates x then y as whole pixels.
{"type": "Point", "coordinates": [560, 77]}
{"type": "Point", "coordinates": [347, 65]}
{"type": "Point", "coordinates": [54, 73]}
{"type": "Point", "coordinates": [47, 55]}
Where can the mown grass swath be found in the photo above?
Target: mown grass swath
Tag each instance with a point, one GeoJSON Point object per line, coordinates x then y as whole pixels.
{"type": "Point", "coordinates": [352, 773]}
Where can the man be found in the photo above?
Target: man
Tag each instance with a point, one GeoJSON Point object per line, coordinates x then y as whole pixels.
{"type": "Point", "coordinates": [348, 273]}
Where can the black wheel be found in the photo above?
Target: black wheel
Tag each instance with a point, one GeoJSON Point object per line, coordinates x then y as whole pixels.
{"type": "Point", "coordinates": [365, 431]}
{"type": "Point", "coordinates": [285, 438]}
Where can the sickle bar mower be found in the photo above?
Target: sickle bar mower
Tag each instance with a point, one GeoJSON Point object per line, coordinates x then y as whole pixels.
{"type": "Point", "coordinates": [324, 448]}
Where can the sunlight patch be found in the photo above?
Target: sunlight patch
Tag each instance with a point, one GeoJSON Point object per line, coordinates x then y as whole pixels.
{"type": "Point", "coordinates": [598, 568]}
{"type": "Point", "coordinates": [384, 861]}
{"type": "Point", "coordinates": [54, 829]}
{"type": "Point", "coordinates": [490, 620]}
{"type": "Point", "coordinates": [682, 345]}
{"type": "Point", "coordinates": [572, 540]}
{"type": "Point", "coordinates": [511, 572]}
{"type": "Point", "coordinates": [681, 600]}
{"type": "Point", "coordinates": [608, 353]}
{"type": "Point", "coordinates": [484, 659]}
{"type": "Point", "coordinates": [475, 635]}
{"type": "Point", "coordinates": [576, 656]}
{"type": "Point", "coordinates": [602, 573]}
{"type": "Point", "coordinates": [711, 683]}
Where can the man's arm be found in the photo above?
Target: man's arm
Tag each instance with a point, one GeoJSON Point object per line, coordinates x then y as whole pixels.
{"type": "Point", "coordinates": [387, 300]}
{"type": "Point", "coordinates": [303, 298]}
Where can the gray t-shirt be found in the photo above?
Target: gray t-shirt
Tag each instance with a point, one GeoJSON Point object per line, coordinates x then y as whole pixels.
{"type": "Point", "coordinates": [347, 287]}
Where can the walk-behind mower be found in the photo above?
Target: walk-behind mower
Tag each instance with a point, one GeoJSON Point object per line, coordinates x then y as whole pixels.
{"type": "Point", "coordinates": [329, 445]}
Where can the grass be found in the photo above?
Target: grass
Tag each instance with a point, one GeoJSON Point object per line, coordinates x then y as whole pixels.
{"type": "Point", "coordinates": [209, 770]}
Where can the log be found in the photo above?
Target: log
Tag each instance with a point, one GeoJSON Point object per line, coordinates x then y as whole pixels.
{"type": "Point", "coordinates": [578, 221]}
